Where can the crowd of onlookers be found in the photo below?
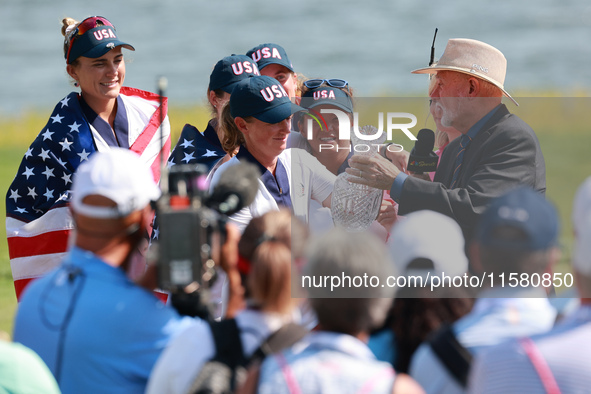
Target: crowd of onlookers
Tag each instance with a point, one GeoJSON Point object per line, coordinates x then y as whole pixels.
{"type": "Point", "coordinates": [98, 331]}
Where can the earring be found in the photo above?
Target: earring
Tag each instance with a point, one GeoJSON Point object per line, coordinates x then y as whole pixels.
{"type": "Point", "coordinates": [76, 84]}
{"type": "Point", "coordinates": [215, 106]}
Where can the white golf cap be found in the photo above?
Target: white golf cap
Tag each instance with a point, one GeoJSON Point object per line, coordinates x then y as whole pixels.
{"type": "Point", "coordinates": [582, 227]}
{"type": "Point", "coordinates": [118, 174]}
{"type": "Point", "coordinates": [428, 235]}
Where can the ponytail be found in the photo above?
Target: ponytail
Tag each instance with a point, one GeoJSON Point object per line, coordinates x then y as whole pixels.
{"type": "Point", "coordinates": [66, 23]}
{"type": "Point", "coordinates": [233, 137]}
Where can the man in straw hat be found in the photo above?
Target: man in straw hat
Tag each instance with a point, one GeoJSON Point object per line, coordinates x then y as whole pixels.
{"type": "Point", "coordinates": [496, 152]}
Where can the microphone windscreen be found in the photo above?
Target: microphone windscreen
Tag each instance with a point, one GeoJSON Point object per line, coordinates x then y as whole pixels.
{"type": "Point", "coordinates": [242, 181]}
{"type": "Point", "coordinates": [425, 142]}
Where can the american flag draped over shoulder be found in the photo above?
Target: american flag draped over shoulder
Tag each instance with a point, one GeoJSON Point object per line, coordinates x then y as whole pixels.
{"type": "Point", "coordinates": [193, 147]}
{"type": "Point", "coordinates": [38, 222]}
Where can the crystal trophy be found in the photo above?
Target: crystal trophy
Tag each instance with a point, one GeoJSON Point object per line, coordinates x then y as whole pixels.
{"type": "Point", "coordinates": [353, 206]}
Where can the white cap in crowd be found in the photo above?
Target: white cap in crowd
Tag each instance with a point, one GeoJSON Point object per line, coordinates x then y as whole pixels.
{"type": "Point", "coordinates": [118, 174]}
{"type": "Point", "coordinates": [432, 236]}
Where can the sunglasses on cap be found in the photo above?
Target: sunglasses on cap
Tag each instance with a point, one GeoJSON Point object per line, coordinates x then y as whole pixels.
{"type": "Point", "coordinates": [335, 83]}
{"type": "Point", "coordinates": [84, 26]}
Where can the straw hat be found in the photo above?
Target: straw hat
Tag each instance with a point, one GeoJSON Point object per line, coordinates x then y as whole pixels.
{"type": "Point", "coordinates": [474, 58]}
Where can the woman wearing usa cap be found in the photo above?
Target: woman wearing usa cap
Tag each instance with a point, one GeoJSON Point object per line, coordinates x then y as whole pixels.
{"type": "Point", "coordinates": [257, 120]}
{"type": "Point", "coordinates": [206, 148]}
{"type": "Point", "coordinates": [195, 147]}
{"type": "Point", "coordinates": [273, 62]}
{"type": "Point", "coordinates": [323, 142]}
{"type": "Point", "coordinates": [104, 114]}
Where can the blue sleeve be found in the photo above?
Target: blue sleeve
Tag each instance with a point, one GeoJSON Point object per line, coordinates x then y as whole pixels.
{"type": "Point", "coordinates": [396, 190]}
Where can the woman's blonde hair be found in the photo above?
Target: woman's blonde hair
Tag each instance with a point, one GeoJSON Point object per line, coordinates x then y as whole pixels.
{"type": "Point", "coordinates": [67, 22]}
{"type": "Point", "coordinates": [441, 138]}
{"type": "Point", "coordinates": [300, 84]}
{"type": "Point", "coordinates": [233, 137]}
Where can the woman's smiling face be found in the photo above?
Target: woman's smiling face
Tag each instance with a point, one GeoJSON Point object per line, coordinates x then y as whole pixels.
{"type": "Point", "coordinates": [326, 133]}
{"type": "Point", "coordinates": [101, 78]}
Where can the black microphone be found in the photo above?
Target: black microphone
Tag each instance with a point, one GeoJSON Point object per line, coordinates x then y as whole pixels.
{"type": "Point", "coordinates": [237, 188]}
{"type": "Point", "coordinates": [422, 158]}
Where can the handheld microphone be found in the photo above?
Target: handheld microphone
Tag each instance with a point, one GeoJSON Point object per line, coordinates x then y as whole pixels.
{"type": "Point", "coordinates": [237, 188]}
{"type": "Point", "coordinates": [422, 158]}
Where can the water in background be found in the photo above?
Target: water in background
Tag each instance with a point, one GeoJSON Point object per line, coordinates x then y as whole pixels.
{"type": "Point", "coordinates": [374, 44]}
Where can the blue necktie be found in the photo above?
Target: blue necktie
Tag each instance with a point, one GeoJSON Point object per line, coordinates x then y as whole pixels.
{"type": "Point", "coordinates": [464, 142]}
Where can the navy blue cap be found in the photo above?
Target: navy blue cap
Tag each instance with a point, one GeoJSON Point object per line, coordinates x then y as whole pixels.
{"type": "Point", "coordinates": [231, 70]}
{"type": "Point", "coordinates": [326, 95]}
{"type": "Point", "coordinates": [93, 37]}
{"type": "Point", "coordinates": [266, 54]}
{"type": "Point", "coordinates": [263, 98]}
{"type": "Point", "coordinates": [524, 209]}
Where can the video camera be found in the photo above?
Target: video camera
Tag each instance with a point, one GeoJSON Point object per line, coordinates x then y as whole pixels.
{"type": "Point", "coordinates": [192, 225]}
{"type": "Point", "coordinates": [192, 222]}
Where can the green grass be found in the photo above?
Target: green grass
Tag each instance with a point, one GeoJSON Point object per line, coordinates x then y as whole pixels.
{"type": "Point", "coordinates": [561, 125]}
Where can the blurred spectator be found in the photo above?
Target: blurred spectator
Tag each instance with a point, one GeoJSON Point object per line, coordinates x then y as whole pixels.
{"type": "Point", "coordinates": [336, 358]}
{"type": "Point", "coordinates": [424, 242]}
{"type": "Point", "coordinates": [269, 304]}
{"type": "Point", "coordinates": [517, 235]}
{"type": "Point", "coordinates": [558, 361]}
{"type": "Point", "coordinates": [281, 226]}
{"type": "Point", "coordinates": [96, 330]}
{"type": "Point", "coordinates": [22, 371]}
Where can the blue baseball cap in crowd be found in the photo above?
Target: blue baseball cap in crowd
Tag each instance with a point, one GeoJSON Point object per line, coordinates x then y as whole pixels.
{"type": "Point", "coordinates": [263, 98]}
{"type": "Point", "coordinates": [523, 209]}
{"type": "Point", "coordinates": [266, 54]}
{"type": "Point", "coordinates": [231, 70]}
{"type": "Point", "coordinates": [93, 37]}
{"type": "Point", "coordinates": [326, 95]}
